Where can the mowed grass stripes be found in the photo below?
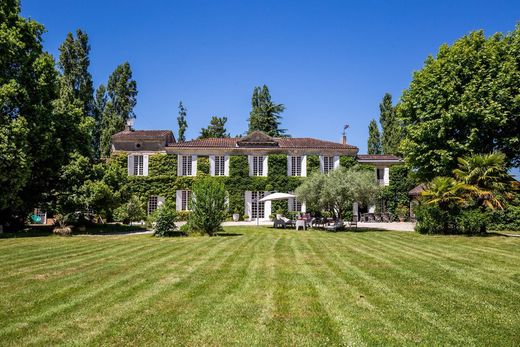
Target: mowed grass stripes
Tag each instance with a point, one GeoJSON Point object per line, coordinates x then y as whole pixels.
{"type": "Point", "coordinates": [261, 287]}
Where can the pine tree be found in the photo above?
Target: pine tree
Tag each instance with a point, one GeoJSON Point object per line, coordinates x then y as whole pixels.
{"type": "Point", "coordinates": [119, 108]}
{"type": "Point", "coordinates": [265, 114]}
{"type": "Point", "coordinates": [374, 138]}
{"type": "Point", "coordinates": [392, 131]}
{"type": "Point", "coordinates": [183, 124]}
{"type": "Point", "coordinates": [215, 129]}
{"type": "Point", "coordinates": [100, 104]}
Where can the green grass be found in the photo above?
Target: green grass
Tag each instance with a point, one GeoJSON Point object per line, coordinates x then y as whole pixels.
{"type": "Point", "coordinates": [262, 287]}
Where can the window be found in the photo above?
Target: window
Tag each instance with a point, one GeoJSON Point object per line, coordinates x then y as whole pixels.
{"type": "Point", "coordinates": [257, 207]}
{"type": "Point", "coordinates": [295, 205]}
{"type": "Point", "coordinates": [380, 175]}
{"type": "Point", "coordinates": [296, 166]}
{"type": "Point", "coordinates": [153, 203]}
{"type": "Point", "coordinates": [220, 163]}
{"type": "Point", "coordinates": [185, 200]}
{"type": "Point", "coordinates": [328, 164]}
{"type": "Point", "coordinates": [186, 165]}
{"type": "Point", "coordinates": [258, 165]}
{"type": "Point", "coordinates": [138, 165]}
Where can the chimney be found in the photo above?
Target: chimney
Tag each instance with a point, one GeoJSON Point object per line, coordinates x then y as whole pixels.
{"type": "Point", "coordinates": [129, 124]}
{"type": "Point", "coordinates": [344, 135]}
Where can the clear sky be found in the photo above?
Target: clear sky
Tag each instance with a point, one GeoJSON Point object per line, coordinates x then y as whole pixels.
{"type": "Point", "coordinates": [329, 62]}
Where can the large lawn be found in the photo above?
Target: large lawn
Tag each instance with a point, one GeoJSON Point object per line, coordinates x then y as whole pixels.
{"type": "Point", "coordinates": [261, 287]}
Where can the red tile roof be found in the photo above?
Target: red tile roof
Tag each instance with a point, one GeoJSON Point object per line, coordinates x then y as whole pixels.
{"type": "Point", "coordinates": [288, 142]}
{"type": "Point", "coordinates": [377, 157]}
{"type": "Point", "coordinates": [142, 134]}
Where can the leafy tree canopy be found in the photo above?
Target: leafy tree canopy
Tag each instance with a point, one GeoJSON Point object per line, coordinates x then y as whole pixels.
{"type": "Point", "coordinates": [464, 101]}
{"type": "Point", "coordinates": [392, 129]}
{"type": "Point", "coordinates": [215, 129]}
{"type": "Point", "coordinates": [265, 114]}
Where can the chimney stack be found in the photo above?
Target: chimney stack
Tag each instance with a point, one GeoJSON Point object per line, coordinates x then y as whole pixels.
{"type": "Point", "coordinates": [129, 124]}
{"type": "Point", "coordinates": [344, 135]}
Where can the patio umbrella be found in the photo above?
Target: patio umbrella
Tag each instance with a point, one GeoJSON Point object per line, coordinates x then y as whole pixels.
{"type": "Point", "coordinates": [277, 196]}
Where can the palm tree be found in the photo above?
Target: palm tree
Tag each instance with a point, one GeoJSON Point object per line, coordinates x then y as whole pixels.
{"type": "Point", "coordinates": [446, 192]}
{"type": "Point", "coordinates": [487, 174]}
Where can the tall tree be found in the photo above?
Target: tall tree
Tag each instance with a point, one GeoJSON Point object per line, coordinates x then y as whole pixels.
{"type": "Point", "coordinates": [29, 155]}
{"type": "Point", "coordinates": [265, 114]}
{"type": "Point", "coordinates": [76, 102]}
{"type": "Point", "coordinates": [374, 138]}
{"type": "Point", "coordinates": [100, 104]}
{"type": "Point", "coordinates": [464, 101]}
{"type": "Point", "coordinates": [119, 108]}
{"type": "Point", "coordinates": [391, 136]}
{"type": "Point", "coordinates": [216, 128]}
{"type": "Point", "coordinates": [181, 121]}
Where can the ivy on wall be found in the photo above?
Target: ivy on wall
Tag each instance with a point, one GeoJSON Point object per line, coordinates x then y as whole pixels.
{"type": "Point", "coordinates": [163, 181]}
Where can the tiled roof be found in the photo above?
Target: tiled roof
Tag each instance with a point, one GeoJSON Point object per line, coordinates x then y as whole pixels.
{"type": "Point", "coordinates": [141, 134]}
{"type": "Point", "coordinates": [377, 157]}
{"type": "Point", "coordinates": [282, 143]}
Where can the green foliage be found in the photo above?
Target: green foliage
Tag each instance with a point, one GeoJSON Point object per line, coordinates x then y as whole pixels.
{"type": "Point", "coordinates": [392, 128]}
{"type": "Point", "coordinates": [265, 114]}
{"type": "Point", "coordinates": [209, 208]}
{"type": "Point", "coordinates": [338, 190]}
{"type": "Point", "coordinates": [203, 166]}
{"type": "Point", "coordinates": [396, 193]}
{"type": "Point", "coordinates": [507, 219]}
{"type": "Point", "coordinates": [374, 138]}
{"type": "Point", "coordinates": [463, 101]}
{"type": "Point", "coordinates": [119, 108]}
{"type": "Point", "coordinates": [165, 218]}
{"type": "Point", "coordinates": [313, 164]}
{"type": "Point", "coordinates": [431, 219]}
{"type": "Point", "coordinates": [215, 129]}
{"type": "Point", "coordinates": [347, 162]}
{"type": "Point", "coordinates": [133, 210]}
{"type": "Point", "coordinates": [472, 221]}
{"type": "Point", "coordinates": [163, 165]}
{"type": "Point", "coordinates": [182, 123]}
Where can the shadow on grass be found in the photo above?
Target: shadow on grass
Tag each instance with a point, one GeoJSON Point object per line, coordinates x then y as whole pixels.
{"type": "Point", "coordinates": [228, 234]}
{"type": "Point", "coordinates": [96, 229]}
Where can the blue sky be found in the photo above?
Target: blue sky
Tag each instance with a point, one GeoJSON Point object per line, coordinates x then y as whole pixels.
{"type": "Point", "coordinates": [329, 62]}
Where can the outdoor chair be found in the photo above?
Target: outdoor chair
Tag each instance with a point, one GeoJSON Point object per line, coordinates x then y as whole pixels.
{"type": "Point", "coordinates": [335, 226]}
{"type": "Point", "coordinates": [377, 217]}
{"type": "Point", "coordinates": [288, 222]}
{"type": "Point", "coordinates": [370, 217]}
{"type": "Point", "coordinates": [279, 223]}
{"type": "Point", "coordinates": [353, 223]}
{"type": "Point", "coordinates": [385, 217]}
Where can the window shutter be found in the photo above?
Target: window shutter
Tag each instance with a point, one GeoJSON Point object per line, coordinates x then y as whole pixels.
{"type": "Point", "coordinates": [304, 207]}
{"type": "Point", "coordinates": [130, 165]}
{"type": "Point", "coordinates": [289, 165]}
{"type": "Point", "coordinates": [250, 162]}
{"type": "Point", "coordinates": [321, 164]}
{"type": "Point", "coordinates": [179, 165]}
{"type": "Point", "coordinates": [226, 165]}
{"type": "Point", "coordinates": [304, 166]}
{"type": "Point", "coordinates": [178, 200]}
{"type": "Point", "coordinates": [267, 207]}
{"type": "Point", "coordinates": [194, 165]}
{"type": "Point", "coordinates": [160, 201]}
{"type": "Point", "coordinates": [247, 207]}
{"type": "Point", "coordinates": [336, 161]}
{"type": "Point", "coordinates": [145, 165]}
{"type": "Point", "coordinates": [264, 165]}
{"type": "Point", "coordinates": [212, 165]}
{"type": "Point", "coordinates": [290, 203]}
{"type": "Point", "coordinates": [386, 176]}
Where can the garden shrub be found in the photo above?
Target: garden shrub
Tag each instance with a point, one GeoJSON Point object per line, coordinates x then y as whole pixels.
{"type": "Point", "coordinates": [432, 220]}
{"type": "Point", "coordinates": [209, 207]}
{"type": "Point", "coordinates": [183, 215]}
{"type": "Point", "coordinates": [165, 217]}
{"type": "Point", "coordinates": [131, 211]}
{"type": "Point", "coordinates": [505, 220]}
{"type": "Point", "coordinates": [471, 222]}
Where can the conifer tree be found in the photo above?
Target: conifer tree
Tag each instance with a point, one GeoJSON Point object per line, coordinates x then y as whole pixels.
{"type": "Point", "coordinates": [183, 124]}
{"type": "Point", "coordinates": [392, 133]}
{"type": "Point", "coordinates": [265, 114]}
{"type": "Point", "coordinates": [374, 138]}
{"type": "Point", "coordinates": [215, 129]}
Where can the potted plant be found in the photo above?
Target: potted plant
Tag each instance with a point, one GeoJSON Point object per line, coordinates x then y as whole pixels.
{"type": "Point", "coordinates": [402, 212]}
{"type": "Point", "coordinates": [236, 215]}
{"type": "Point", "coordinates": [279, 213]}
{"type": "Point", "coordinates": [246, 217]}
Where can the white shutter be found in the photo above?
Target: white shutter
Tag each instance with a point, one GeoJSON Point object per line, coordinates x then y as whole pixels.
{"type": "Point", "coordinates": [178, 200]}
{"type": "Point", "coordinates": [304, 207]}
{"type": "Point", "coordinates": [321, 164]}
{"type": "Point", "coordinates": [304, 166]}
{"type": "Point", "coordinates": [290, 202]}
{"type": "Point", "coordinates": [130, 165]}
{"type": "Point", "coordinates": [179, 165]}
{"type": "Point", "coordinates": [160, 201]}
{"type": "Point", "coordinates": [226, 165]}
{"type": "Point", "coordinates": [194, 165]}
{"type": "Point", "coordinates": [267, 207]}
{"type": "Point", "coordinates": [336, 162]}
{"type": "Point", "coordinates": [250, 163]}
{"type": "Point", "coordinates": [145, 165]}
{"type": "Point", "coordinates": [386, 176]}
{"type": "Point", "coordinates": [212, 165]}
{"type": "Point", "coordinates": [264, 164]}
{"type": "Point", "coordinates": [289, 165]}
{"type": "Point", "coordinates": [247, 207]}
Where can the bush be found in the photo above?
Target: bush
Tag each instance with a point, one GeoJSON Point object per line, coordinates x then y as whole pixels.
{"type": "Point", "coordinates": [505, 220]}
{"type": "Point", "coordinates": [133, 210]}
{"type": "Point", "coordinates": [209, 208]}
{"type": "Point", "coordinates": [165, 220]}
{"type": "Point", "coordinates": [432, 220]}
{"type": "Point", "coordinates": [472, 222]}
{"type": "Point", "coordinates": [183, 215]}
